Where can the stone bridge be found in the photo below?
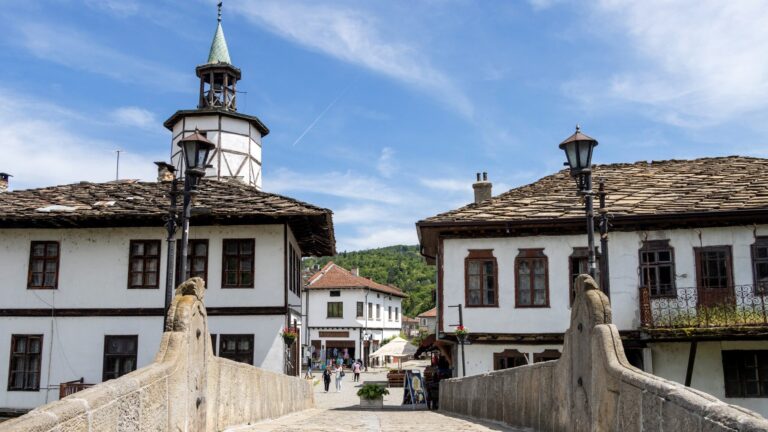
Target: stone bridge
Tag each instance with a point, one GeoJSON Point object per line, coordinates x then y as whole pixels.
{"type": "Point", "coordinates": [591, 387]}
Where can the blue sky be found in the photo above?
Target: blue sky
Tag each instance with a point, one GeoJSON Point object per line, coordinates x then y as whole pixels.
{"type": "Point", "coordinates": [383, 111]}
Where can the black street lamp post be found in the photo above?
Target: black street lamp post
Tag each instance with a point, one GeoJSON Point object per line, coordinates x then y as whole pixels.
{"type": "Point", "coordinates": [461, 339]}
{"type": "Point", "coordinates": [194, 149]}
{"type": "Point", "coordinates": [578, 150]}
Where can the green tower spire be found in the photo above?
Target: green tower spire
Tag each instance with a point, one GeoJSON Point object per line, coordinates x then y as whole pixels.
{"type": "Point", "coordinates": [219, 52]}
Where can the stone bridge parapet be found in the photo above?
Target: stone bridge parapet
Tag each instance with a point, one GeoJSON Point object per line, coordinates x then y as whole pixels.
{"type": "Point", "coordinates": [186, 388]}
{"type": "Point", "coordinates": [592, 387]}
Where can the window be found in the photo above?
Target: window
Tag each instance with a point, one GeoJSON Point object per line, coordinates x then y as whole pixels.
{"type": "Point", "coordinates": [335, 293]}
{"type": "Point", "coordinates": [657, 268]}
{"type": "Point", "coordinates": [397, 313]}
{"type": "Point", "coordinates": [237, 347]}
{"type": "Point", "coordinates": [760, 264]}
{"type": "Point", "coordinates": [389, 313]}
{"type": "Point", "coordinates": [714, 264]}
{"type": "Point", "coordinates": [197, 260]}
{"type": "Point", "coordinates": [119, 356]}
{"type": "Point", "coordinates": [746, 373]}
{"type": "Point", "coordinates": [43, 265]}
{"type": "Point", "coordinates": [294, 270]}
{"type": "Point", "coordinates": [481, 283]}
{"type": "Point", "coordinates": [238, 263]}
{"type": "Point", "coordinates": [546, 355]}
{"type": "Point", "coordinates": [509, 358]}
{"type": "Point", "coordinates": [335, 310]}
{"type": "Point", "coordinates": [360, 309]}
{"type": "Point", "coordinates": [378, 311]}
{"type": "Point", "coordinates": [24, 369]}
{"type": "Point", "coordinates": [370, 310]}
{"type": "Point", "coordinates": [213, 343]}
{"type": "Point", "coordinates": [144, 264]}
{"type": "Point", "coordinates": [579, 264]}
{"type": "Point", "coordinates": [531, 283]}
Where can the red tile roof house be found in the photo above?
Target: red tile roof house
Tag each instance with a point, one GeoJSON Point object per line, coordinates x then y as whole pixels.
{"type": "Point", "coordinates": [427, 321]}
{"type": "Point", "coordinates": [688, 279]}
{"type": "Point", "coordinates": [348, 315]}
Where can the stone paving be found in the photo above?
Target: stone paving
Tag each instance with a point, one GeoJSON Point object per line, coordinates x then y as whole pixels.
{"type": "Point", "coordinates": [340, 412]}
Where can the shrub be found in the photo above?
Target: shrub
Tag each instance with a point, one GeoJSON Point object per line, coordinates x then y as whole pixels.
{"type": "Point", "coordinates": [372, 391]}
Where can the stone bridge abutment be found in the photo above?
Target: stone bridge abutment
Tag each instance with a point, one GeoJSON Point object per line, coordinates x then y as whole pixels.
{"type": "Point", "coordinates": [186, 388]}
{"type": "Point", "coordinates": [592, 387]}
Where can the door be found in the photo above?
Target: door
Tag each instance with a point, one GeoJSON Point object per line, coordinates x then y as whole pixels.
{"type": "Point", "coordinates": [714, 276]}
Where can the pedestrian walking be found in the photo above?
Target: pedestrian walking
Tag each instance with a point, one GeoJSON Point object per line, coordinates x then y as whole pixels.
{"type": "Point", "coordinates": [308, 375]}
{"type": "Point", "coordinates": [327, 378]}
{"type": "Point", "coordinates": [356, 371]}
{"type": "Point", "coordinates": [339, 375]}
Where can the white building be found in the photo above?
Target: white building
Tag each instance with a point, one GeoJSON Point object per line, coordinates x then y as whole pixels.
{"type": "Point", "coordinates": [348, 315]}
{"type": "Point", "coordinates": [688, 253]}
{"type": "Point", "coordinates": [428, 321]}
{"type": "Point", "coordinates": [83, 273]}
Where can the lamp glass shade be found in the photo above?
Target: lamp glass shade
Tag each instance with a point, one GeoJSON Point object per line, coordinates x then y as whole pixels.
{"type": "Point", "coordinates": [195, 153]}
{"type": "Point", "coordinates": [579, 154]}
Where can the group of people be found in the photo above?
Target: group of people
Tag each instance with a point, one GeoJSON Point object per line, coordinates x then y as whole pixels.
{"type": "Point", "coordinates": [337, 371]}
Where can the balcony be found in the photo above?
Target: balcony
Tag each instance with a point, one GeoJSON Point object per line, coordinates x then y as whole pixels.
{"type": "Point", "coordinates": [705, 308]}
{"type": "Point", "coordinates": [72, 387]}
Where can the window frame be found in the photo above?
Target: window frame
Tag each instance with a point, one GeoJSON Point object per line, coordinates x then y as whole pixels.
{"type": "Point", "coordinates": [740, 368]}
{"type": "Point", "coordinates": [727, 250]}
{"type": "Point", "coordinates": [105, 355]}
{"type": "Point", "coordinates": [548, 354]}
{"type": "Point", "coordinates": [224, 255]}
{"type": "Point", "coordinates": [509, 353]}
{"type": "Point", "coordinates": [482, 256]}
{"type": "Point", "coordinates": [144, 258]}
{"type": "Point", "coordinates": [223, 338]}
{"type": "Point", "coordinates": [334, 305]}
{"type": "Point", "coordinates": [757, 287]}
{"type": "Point", "coordinates": [581, 253]}
{"type": "Point", "coordinates": [530, 255]}
{"type": "Point", "coordinates": [45, 258]}
{"type": "Point", "coordinates": [370, 310]}
{"type": "Point", "coordinates": [26, 354]}
{"type": "Point", "coordinates": [389, 313]}
{"type": "Point", "coordinates": [657, 246]}
{"type": "Point", "coordinates": [190, 257]}
{"type": "Point", "coordinates": [360, 310]}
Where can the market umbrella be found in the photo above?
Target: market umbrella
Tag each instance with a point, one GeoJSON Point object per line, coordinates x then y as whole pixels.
{"type": "Point", "coordinates": [397, 347]}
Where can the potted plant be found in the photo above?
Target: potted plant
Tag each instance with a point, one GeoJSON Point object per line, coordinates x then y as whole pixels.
{"type": "Point", "coordinates": [372, 395]}
{"type": "Point", "coordinates": [396, 377]}
{"type": "Point", "coordinates": [289, 335]}
{"type": "Point", "coordinates": [461, 333]}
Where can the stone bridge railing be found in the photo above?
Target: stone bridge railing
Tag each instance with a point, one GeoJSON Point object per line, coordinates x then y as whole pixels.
{"type": "Point", "coordinates": [592, 387]}
{"type": "Point", "coordinates": [186, 388]}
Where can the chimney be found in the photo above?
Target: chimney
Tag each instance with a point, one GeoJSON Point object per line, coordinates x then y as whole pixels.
{"type": "Point", "coordinates": [482, 188]}
{"type": "Point", "coordinates": [4, 181]}
{"type": "Point", "coordinates": [165, 171]}
{"type": "Point", "coordinates": [355, 271]}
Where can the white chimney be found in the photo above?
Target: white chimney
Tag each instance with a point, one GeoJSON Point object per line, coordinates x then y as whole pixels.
{"type": "Point", "coordinates": [482, 188]}
{"type": "Point", "coordinates": [355, 271]}
{"type": "Point", "coordinates": [165, 171]}
{"type": "Point", "coordinates": [4, 181]}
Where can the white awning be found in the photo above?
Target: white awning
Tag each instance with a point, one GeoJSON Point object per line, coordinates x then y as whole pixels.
{"type": "Point", "coordinates": [397, 347]}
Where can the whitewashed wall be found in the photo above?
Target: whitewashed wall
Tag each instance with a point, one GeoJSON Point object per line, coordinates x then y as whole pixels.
{"type": "Point", "coordinates": [93, 267]}
{"type": "Point", "coordinates": [670, 361]}
{"type": "Point", "coordinates": [318, 309]}
{"type": "Point", "coordinates": [229, 134]}
{"type": "Point", "coordinates": [479, 358]}
{"type": "Point", "coordinates": [623, 249]}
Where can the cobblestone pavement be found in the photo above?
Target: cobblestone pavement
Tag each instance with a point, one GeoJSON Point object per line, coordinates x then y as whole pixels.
{"type": "Point", "coordinates": [340, 412]}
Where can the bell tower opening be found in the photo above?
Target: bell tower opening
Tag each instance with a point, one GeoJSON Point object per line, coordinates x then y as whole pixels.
{"type": "Point", "coordinates": [218, 78]}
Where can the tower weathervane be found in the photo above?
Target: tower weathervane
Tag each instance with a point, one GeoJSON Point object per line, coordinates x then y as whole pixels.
{"type": "Point", "coordinates": [219, 5]}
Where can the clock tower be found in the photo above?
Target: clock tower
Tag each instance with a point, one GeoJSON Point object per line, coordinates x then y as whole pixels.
{"type": "Point", "coordinates": [237, 136]}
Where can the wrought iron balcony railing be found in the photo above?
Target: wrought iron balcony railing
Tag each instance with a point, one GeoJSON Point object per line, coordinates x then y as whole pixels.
{"type": "Point", "coordinates": [736, 306]}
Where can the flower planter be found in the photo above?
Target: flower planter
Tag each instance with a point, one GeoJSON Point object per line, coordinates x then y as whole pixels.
{"type": "Point", "coordinates": [396, 378]}
{"type": "Point", "coordinates": [372, 403]}
{"type": "Point", "coordinates": [288, 340]}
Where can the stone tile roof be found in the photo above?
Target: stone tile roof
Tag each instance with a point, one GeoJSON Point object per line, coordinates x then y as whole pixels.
{"type": "Point", "coordinates": [432, 313]}
{"type": "Point", "coordinates": [333, 276]}
{"type": "Point", "coordinates": [633, 189]}
{"type": "Point", "coordinates": [133, 203]}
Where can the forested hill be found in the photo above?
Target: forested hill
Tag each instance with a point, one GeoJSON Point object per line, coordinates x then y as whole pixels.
{"type": "Point", "coordinates": [400, 266]}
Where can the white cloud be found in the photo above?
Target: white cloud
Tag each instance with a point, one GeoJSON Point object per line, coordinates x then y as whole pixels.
{"type": "Point", "coordinates": [345, 185]}
{"type": "Point", "coordinates": [353, 36]}
{"type": "Point", "coordinates": [448, 184]}
{"type": "Point", "coordinates": [543, 4]}
{"type": "Point", "coordinates": [136, 117]}
{"type": "Point", "coordinates": [77, 50]}
{"type": "Point", "coordinates": [115, 7]}
{"type": "Point", "coordinates": [374, 237]}
{"type": "Point", "coordinates": [386, 164]}
{"type": "Point", "coordinates": [41, 147]}
{"type": "Point", "coordinates": [700, 62]}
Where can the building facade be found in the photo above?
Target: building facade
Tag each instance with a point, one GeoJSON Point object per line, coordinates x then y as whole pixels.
{"type": "Point", "coordinates": [348, 315]}
{"type": "Point", "coordinates": [428, 321]}
{"type": "Point", "coordinates": [83, 273]}
{"type": "Point", "coordinates": [687, 265]}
